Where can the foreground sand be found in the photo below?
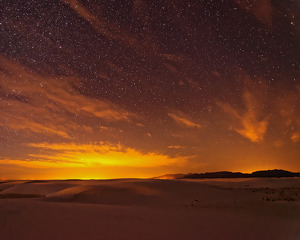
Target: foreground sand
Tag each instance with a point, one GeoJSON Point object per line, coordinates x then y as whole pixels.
{"type": "Point", "coordinates": [151, 209]}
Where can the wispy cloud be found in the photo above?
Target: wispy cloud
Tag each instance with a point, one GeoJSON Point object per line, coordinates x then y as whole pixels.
{"type": "Point", "coordinates": [176, 147]}
{"type": "Point", "coordinates": [93, 155]}
{"type": "Point", "coordinates": [50, 106]}
{"type": "Point", "coordinates": [183, 120]}
{"type": "Point", "coordinates": [252, 126]}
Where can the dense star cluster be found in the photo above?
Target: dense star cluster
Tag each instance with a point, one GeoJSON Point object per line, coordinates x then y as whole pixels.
{"type": "Point", "coordinates": [135, 88]}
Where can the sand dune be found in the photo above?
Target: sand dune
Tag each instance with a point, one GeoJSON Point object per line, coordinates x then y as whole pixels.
{"type": "Point", "coordinates": [41, 188]}
{"type": "Point", "coordinates": [151, 209]}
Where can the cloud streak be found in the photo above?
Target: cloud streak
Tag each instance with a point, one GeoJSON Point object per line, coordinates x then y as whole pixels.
{"type": "Point", "coordinates": [184, 121]}
{"type": "Point", "coordinates": [50, 106]}
{"type": "Point", "coordinates": [252, 126]}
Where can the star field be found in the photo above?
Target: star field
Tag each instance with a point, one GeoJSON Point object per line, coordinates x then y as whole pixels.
{"type": "Point", "coordinates": [101, 89]}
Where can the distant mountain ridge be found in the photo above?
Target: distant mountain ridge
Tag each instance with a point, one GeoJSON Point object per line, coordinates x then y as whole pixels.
{"type": "Point", "coordinates": [276, 173]}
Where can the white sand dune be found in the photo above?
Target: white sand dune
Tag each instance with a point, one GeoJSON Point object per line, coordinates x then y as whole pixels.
{"type": "Point", "coordinates": [152, 209]}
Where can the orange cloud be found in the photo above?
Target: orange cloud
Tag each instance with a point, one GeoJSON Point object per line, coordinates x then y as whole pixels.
{"type": "Point", "coordinates": [43, 104]}
{"type": "Point", "coordinates": [176, 147]}
{"type": "Point", "coordinates": [183, 120]}
{"type": "Point", "coordinates": [295, 137]}
{"type": "Point", "coordinates": [93, 155]}
{"type": "Point", "coordinates": [21, 123]}
{"type": "Point", "coordinates": [253, 127]}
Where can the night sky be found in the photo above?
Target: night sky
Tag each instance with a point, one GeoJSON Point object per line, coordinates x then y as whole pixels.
{"type": "Point", "coordinates": [141, 88]}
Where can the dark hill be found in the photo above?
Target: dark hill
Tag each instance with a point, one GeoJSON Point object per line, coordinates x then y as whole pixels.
{"type": "Point", "coordinates": [223, 174]}
{"type": "Point", "coordinates": [276, 173]}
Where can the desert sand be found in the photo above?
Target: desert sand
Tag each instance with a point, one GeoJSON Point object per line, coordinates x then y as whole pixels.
{"type": "Point", "coordinates": [151, 209]}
